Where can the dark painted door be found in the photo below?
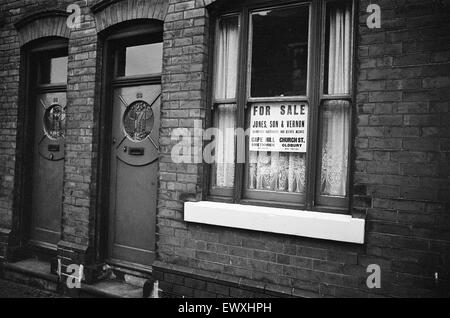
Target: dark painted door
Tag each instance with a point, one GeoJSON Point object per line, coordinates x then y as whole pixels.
{"type": "Point", "coordinates": [134, 173]}
{"type": "Point", "coordinates": [48, 165]}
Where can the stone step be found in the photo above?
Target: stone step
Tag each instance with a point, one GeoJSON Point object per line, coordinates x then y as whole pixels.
{"type": "Point", "coordinates": [110, 289]}
{"type": "Point", "coordinates": [118, 283]}
{"type": "Point", "coordinates": [31, 272]}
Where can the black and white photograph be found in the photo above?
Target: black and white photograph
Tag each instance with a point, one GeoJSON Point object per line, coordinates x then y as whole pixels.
{"type": "Point", "coordinates": [224, 155]}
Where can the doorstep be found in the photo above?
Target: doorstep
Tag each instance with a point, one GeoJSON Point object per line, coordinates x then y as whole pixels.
{"type": "Point", "coordinates": [32, 272]}
{"type": "Point", "coordinates": [37, 273]}
{"type": "Point", "coordinates": [111, 289]}
{"type": "Point", "coordinates": [118, 282]}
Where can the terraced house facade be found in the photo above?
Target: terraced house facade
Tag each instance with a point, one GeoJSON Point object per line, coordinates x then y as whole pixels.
{"type": "Point", "coordinates": [340, 190]}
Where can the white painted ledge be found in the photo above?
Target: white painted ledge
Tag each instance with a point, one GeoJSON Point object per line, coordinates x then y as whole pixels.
{"type": "Point", "coordinates": [327, 226]}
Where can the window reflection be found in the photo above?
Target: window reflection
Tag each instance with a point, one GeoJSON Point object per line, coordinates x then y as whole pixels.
{"type": "Point", "coordinates": [280, 52]}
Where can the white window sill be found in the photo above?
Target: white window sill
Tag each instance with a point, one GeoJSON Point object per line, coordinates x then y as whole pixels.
{"type": "Point", "coordinates": [327, 226]}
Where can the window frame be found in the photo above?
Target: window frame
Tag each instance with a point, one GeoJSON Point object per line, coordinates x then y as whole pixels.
{"type": "Point", "coordinates": [123, 44]}
{"type": "Point", "coordinates": [315, 96]}
{"type": "Point", "coordinates": [48, 50]}
{"type": "Point", "coordinates": [325, 201]}
{"type": "Point", "coordinates": [221, 192]}
{"type": "Point", "coordinates": [295, 98]}
{"type": "Point", "coordinates": [252, 196]}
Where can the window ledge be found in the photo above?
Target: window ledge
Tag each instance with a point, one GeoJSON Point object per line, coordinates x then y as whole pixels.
{"type": "Point", "coordinates": [327, 226]}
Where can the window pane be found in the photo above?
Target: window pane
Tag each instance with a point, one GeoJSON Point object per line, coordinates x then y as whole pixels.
{"type": "Point", "coordinates": [275, 171]}
{"type": "Point", "coordinates": [223, 169]}
{"type": "Point", "coordinates": [335, 138]}
{"type": "Point", "coordinates": [279, 52]}
{"type": "Point", "coordinates": [141, 60]}
{"type": "Point", "coordinates": [53, 70]}
{"type": "Point", "coordinates": [338, 46]}
{"type": "Point", "coordinates": [227, 58]}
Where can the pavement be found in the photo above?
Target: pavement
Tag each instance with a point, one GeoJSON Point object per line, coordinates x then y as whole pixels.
{"type": "Point", "coordinates": [10, 289]}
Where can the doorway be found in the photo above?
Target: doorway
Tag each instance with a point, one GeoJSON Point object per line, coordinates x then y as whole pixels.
{"type": "Point", "coordinates": [132, 102]}
{"type": "Point", "coordinates": [46, 106]}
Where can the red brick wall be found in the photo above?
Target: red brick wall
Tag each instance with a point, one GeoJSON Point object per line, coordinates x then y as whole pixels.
{"type": "Point", "coordinates": [401, 164]}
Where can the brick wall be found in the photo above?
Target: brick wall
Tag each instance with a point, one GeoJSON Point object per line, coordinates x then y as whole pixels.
{"type": "Point", "coordinates": [83, 87]}
{"type": "Point", "coordinates": [401, 164]}
{"type": "Point", "coordinates": [9, 83]}
{"type": "Point", "coordinates": [400, 169]}
{"type": "Point", "coordinates": [402, 160]}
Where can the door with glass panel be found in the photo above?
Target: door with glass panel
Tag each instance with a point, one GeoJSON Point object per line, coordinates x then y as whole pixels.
{"type": "Point", "coordinates": [134, 148]}
{"type": "Point", "coordinates": [49, 108]}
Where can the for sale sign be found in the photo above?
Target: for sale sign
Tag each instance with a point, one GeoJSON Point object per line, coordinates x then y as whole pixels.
{"type": "Point", "coordinates": [278, 127]}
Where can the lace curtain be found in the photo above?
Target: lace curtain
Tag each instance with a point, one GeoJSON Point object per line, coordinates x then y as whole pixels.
{"type": "Point", "coordinates": [335, 113]}
{"type": "Point", "coordinates": [225, 145]}
{"type": "Point", "coordinates": [227, 58]}
{"type": "Point", "coordinates": [339, 50]}
{"type": "Point", "coordinates": [225, 89]}
{"type": "Point", "coordinates": [274, 171]}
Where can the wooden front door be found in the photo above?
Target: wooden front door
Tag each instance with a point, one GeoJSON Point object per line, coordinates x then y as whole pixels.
{"type": "Point", "coordinates": [134, 173]}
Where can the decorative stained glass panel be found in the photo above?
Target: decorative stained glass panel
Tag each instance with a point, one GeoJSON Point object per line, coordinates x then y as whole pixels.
{"type": "Point", "coordinates": [55, 122]}
{"type": "Point", "coordinates": [138, 121]}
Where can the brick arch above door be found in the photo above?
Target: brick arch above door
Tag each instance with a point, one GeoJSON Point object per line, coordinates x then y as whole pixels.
{"type": "Point", "coordinates": [111, 12]}
{"type": "Point", "coordinates": [42, 24]}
